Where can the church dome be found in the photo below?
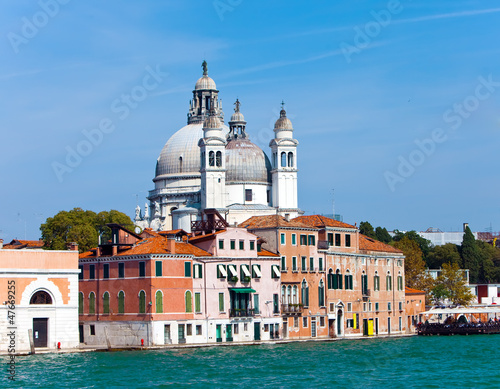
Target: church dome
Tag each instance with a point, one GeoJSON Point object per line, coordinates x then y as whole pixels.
{"type": "Point", "coordinates": [181, 153]}
{"type": "Point", "coordinates": [283, 123]}
{"type": "Point", "coordinates": [237, 117]}
{"type": "Point", "coordinates": [246, 162]}
{"type": "Point", "coordinates": [205, 82]}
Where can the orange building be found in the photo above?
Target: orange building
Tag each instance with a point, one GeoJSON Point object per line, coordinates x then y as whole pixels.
{"type": "Point", "coordinates": [415, 305]}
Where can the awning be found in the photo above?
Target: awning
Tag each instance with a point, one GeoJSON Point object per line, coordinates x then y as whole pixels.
{"type": "Point", "coordinates": [222, 270]}
{"type": "Point", "coordinates": [245, 271]}
{"type": "Point", "coordinates": [276, 271]}
{"type": "Point", "coordinates": [257, 271]}
{"type": "Point", "coordinates": [242, 290]}
{"type": "Point", "coordinates": [232, 270]}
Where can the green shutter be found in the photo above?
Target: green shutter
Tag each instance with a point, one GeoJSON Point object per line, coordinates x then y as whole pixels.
{"type": "Point", "coordinates": [159, 269]}
{"type": "Point", "coordinates": [256, 303]}
{"type": "Point", "coordinates": [80, 303]}
{"type": "Point", "coordinates": [189, 302]}
{"type": "Point", "coordinates": [142, 269]}
{"type": "Point", "coordinates": [121, 302]}
{"type": "Point", "coordinates": [187, 269]}
{"type": "Point", "coordinates": [340, 281]}
{"type": "Point", "coordinates": [92, 303]}
{"type": "Point", "coordinates": [335, 281]}
{"type": "Point", "coordinates": [142, 302]}
{"type": "Point", "coordinates": [159, 302]}
{"type": "Point", "coordinates": [221, 244]}
{"type": "Point", "coordinates": [221, 302]}
{"type": "Point", "coordinates": [197, 302]}
{"type": "Point", "coordinates": [105, 303]}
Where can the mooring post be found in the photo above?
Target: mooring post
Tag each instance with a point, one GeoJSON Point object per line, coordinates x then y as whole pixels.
{"type": "Point", "coordinates": [32, 341]}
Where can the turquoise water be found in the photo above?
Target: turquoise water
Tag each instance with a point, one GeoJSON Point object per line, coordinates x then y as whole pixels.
{"type": "Point", "coordinates": [431, 362]}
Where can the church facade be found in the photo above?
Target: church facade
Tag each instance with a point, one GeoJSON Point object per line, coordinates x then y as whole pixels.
{"type": "Point", "coordinates": [210, 165]}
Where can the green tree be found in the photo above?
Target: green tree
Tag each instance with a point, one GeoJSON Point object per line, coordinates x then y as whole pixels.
{"type": "Point", "coordinates": [488, 271]}
{"type": "Point", "coordinates": [382, 235]}
{"type": "Point", "coordinates": [415, 272]}
{"type": "Point", "coordinates": [424, 244]}
{"type": "Point", "coordinates": [82, 227]}
{"type": "Point", "coordinates": [366, 228]}
{"type": "Point", "coordinates": [452, 284]}
{"type": "Point", "coordinates": [471, 255]}
{"type": "Point", "coordinates": [447, 253]}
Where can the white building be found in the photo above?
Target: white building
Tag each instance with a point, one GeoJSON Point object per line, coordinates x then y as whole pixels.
{"type": "Point", "coordinates": [209, 165]}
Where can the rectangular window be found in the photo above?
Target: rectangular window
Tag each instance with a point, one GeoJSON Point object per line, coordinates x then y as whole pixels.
{"type": "Point", "coordinates": [296, 322]}
{"type": "Point", "coordinates": [389, 307]}
{"type": "Point", "coordinates": [256, 304]}
{"type": "Point", "coordinates": [248, 194]}
{"type": "Point", "coordinates": [233, 244]}
{"type": "Point", "coordinates": [92, 329]}
{"type": "Point", "coordinates": [312, 240]}
{"type": "Point", "coordinates": [275, 271]}
{"type": "Point", "coordinates": [369, 307]}
{"type": "Point", "coordinates": [199, 330]}
{"type": "Point", "coordinates": [221, 244]}
{"type": "Point", "coordinates": [105, 271]}
{"type": "Point", "coordinates": [197, 271]}
{"type": "Point", "coordinates": [321, 321]}
{"type": "Point", "coordinates": [245, 273]}
{"type": "Point", "coordinates": [320, 264]}
{"type": "Point", "coordinates": [158, 268]}
{"type": "Point", "coordinates": [282, 239]}
{"type": "Point", "coordinates": [236, 328]}
{"type": "Point", "coordinates": [304, 322]}
{"type": "Point", "coordinates": [91, 272]}
{"type": "Point", "coordinates": [283, 264]}
{"type": "Point", "coordinates": [187, 269]}
{"type": "Point", "coordinates": [364, 307]}
{"type": "Point", "coordinates": [242, 245]}
{"type": "Point", "coordinates": [189, 329]}
{"type": "Point", "coordinates": [221, 302]}
{"type": "Point", "coordinates": [121, 270]}
{"type": "Point", "coordinates": [376, 307]}
{"type": "Point", "coordinates": [142, 269]}
{"type": "Point", "coordinates": [80, 275]}
{"type": "Point", "coordinates": [276, 304]}
{"type": "Point", "coordinates": [400, 305]}
{"type": "Point", "coordinates": [197, 302]}
{"type": "Point", "coordinates": [337, 239]}
{"type": "Point", "coordinates": [303, 263]}
{"type": "Point", "coordinates": [294, 239]}
{"type": "Point", "coordinates": [303, 240]}
{"type": "Point", "coordinates": [347, 240]}
{"type": "Point", "coordinates": [252, 245]}
{"type": "Point", "coordinates": [349, 323]}
{"type": "Point", "coordinates": [256, 271]}
{"type": "Point", "coordinates": [294, 264]}
{"type": "Point", "coordinates": [311, 264]}
{"type": "Point", "coordinates": [349, 307]}
{"type": "Point", "coordinates": [330, 239]}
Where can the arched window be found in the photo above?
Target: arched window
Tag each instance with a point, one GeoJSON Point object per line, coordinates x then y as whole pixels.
{"type": "Point", "coordinates": [330, 279]}
{"type": "Point", "coordinates": [400, 281]}
{"type": "Point", "coordinates": [159, 301]}
{"type": "Point", "coordinates": [121, 302]}
{"type": "Point", "coordinates": [294, 294]}
{"type": "Point", "coordinates": [290, 159]}
{"type": "Point", "coordinates": [349, 282]}
{"type": "Point", "coordinates": [142, 302]}
{"type": "Point", "coordinates": [364, 283]}
{"type": "Point", "coordinates": [105, 303]}
{"type": "Point", "coordinates": [283, 159]}
{"type": "Point", "coordinates": [275, 160]}
{"type": "Point", "coordinates": [283, 294]}
{"type": "Point", "coordinates": [41, 297]}
{"type": "Point", "coordinates": [337, 281]}
{"type": "Point", "coordinates": [211, 158]}
{"type": "Point", "coordinates": [92, 303]}
{"type": "Point", "coordinates": [288, 295]}
{"type": "Point", "coordinates": [218, 159]}
{"type": "Point", "coordinates": [180, 164]}
{"type": "Point", "coordinates": [321, 293]}
{"type": "Point", "coordinates": [189, 302]}
{"type": "Point", "coordinates": [388, 281]}
{"type": "Point", "coordinates": [376, 281]}
{"type": "Point", "coordinates": [305, 294]}
{"type": "Point", "coordinates": [80, 303]}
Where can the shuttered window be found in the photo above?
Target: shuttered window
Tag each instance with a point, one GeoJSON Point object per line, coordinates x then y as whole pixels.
{"type": "Point", "coordinates": [221, 302]}
{"type": "Point", "coordinates": [142, 302]}
{"type": "Point", "coordinates": [197, 302]}
{"type": "Point", "coordinates": [105, 303]}
{"type": "Point", "coordinates": [121, 270]}
{"type": "Point", "coordinates": [159, 302]}
{"type": "Point", "coordinates": [105, 271]}
{"type": "Point", "coordinates": [121, 302]}
{"type": "Point", "coordinates": [92, 303]}
{"type": "Point", "coordinates": [142, 269]}
{"type": "Point", "coordinates": [187, 269]}
{"type": "Point", "coordinates": [189, 302]}
{"type": "Point", "coordinates": [159, 269]}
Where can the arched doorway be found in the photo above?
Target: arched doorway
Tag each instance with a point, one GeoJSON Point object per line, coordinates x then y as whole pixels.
{"type": "Point", "coordinates": [340, 322]}
{"type": "Point", "coordinates": [40, 324]}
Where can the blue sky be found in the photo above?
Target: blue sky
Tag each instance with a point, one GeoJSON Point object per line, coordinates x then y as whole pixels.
{"type": "Point", "coordinates": [395, 103]}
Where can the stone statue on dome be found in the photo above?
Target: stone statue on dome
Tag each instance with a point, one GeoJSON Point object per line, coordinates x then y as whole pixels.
{"type": "Point", "coordinates": [137, 213]}
{"type": "Point", "coordinates": [146, 211]}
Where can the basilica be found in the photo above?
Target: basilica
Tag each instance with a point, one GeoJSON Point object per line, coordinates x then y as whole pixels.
{"type": "Point", "coordinates": [210, 167]}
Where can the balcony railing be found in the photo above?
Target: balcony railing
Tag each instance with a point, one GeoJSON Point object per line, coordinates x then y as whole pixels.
{"type": "Point", "coordinates": [323, 245]}
{"type": "Point", "coordinates": [366, 294]}
{"type": "Point", "coordinates": [241, 312]}
{"type": "Point", "coordinates": [291, 309]}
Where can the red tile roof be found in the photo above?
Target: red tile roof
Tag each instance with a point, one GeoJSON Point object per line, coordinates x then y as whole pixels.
{"type": "Point", "coordinates": [156, 245]}
{"type": "Point", "coordinates": [321, 221]}
{"type": "Point", "coordinates": [369, 244]}
{"type": "Point", "coordinates": [266, 253]}
{"type": "Point", "coordinates": [202, 238]}
{"type": "Point", "coordinates": [413, 291]}
{"type": "Point", "coordinates": [272, 221]}
{"type": "Point", "coordinates": [17, 244]}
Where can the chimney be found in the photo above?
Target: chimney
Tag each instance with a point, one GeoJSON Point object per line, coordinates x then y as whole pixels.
{"type": "Point", "coordinates": [115, 250]}
{"type": "Point", "coordinates": [171, 245]}
{"type": "Point", "coordinates": [72, 246]}
{"type": "Point", "coordinates": [465, 226]}
{"type": "Point", "coordinates": [1, 243]}
{"type": "Point", "coordinates": [287, 217]}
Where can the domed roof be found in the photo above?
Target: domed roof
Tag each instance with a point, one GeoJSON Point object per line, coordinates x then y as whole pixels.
{"type": "Point", "coordinates": [205, 82]}
{"type": "Point", "coordinates": [283, 123]}
{"type": "Point", "coordinates": [237, 117]}
{"type": "Point", "coordinates": [246, 162]}
{"type": "Point", "coordinates": [212, 121]}
{"type": "Point", "coordinates": [183, 144]}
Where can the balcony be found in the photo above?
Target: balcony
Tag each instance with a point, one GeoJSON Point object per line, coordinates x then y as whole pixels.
{"type": "Point", "coordinates": [366, 294]}
{"type": "Point", "coordinates": [291, 309]}
{"type": "Point", "coordinates": [323, 245]}
{"type": "Point", "coordinates": [241, 313]}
